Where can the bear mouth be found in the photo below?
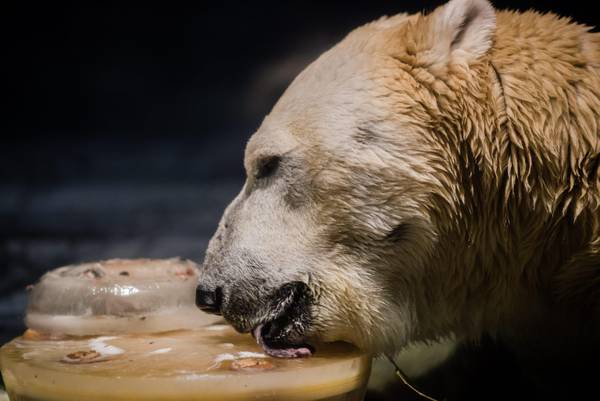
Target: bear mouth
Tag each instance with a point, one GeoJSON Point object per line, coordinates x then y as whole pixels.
{"type": "Point", "coordinates": [282, 336]}
{"type": "Point", "coordinates": [279, 349]}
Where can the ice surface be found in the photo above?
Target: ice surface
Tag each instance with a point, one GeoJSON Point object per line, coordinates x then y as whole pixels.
{"type": "Point", "coordinates": [139, 367]}
{"type": "Point", "coordinates": [116, 296]}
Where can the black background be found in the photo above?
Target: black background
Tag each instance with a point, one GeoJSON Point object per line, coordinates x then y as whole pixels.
{"type": "Point", "coordinates": [125, 123]}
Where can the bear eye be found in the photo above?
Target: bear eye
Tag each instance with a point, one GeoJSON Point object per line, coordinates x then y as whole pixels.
{"type": "Point", "coordinates": [267, 167]}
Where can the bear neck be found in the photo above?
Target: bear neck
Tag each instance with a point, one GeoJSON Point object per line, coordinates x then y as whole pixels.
{"type": "Point", "coordinates": [527, 165]}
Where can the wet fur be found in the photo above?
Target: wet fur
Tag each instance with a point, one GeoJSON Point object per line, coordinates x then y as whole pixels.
{"type": "Point", "coordinates": [439, 176]}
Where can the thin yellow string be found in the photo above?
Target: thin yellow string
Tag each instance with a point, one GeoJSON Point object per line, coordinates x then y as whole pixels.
{"type": "Point", "coordinates": [402, 377]}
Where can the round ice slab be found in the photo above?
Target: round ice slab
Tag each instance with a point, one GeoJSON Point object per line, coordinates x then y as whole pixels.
{"type": "Point", "coordinates": [117, 296]}
{"type": "Point", "coordinates": [211, 363]}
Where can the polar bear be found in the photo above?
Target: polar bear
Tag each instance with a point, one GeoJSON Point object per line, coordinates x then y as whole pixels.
{"type": "Point", "coordinates": [429, 176]}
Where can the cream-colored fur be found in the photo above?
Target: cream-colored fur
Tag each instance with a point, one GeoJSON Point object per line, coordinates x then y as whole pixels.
{"type": "Point", "coordinates": [439, 176]}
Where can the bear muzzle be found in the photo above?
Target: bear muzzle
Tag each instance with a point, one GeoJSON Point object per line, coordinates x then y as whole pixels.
{"type": "Point", "coordinates": [278, 322]}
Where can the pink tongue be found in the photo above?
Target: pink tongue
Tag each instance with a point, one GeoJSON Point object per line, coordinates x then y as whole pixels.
{"type": "Point", "coordinates": [279, 352]}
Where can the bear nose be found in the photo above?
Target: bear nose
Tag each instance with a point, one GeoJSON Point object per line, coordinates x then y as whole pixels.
{"type": "Point", "coordinates": [209, 300]}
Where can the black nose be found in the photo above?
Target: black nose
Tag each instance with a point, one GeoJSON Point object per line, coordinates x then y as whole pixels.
{"type": "Point", "coordinates": [209, 300]}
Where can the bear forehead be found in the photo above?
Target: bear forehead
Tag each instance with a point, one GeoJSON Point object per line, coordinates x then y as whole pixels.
{"type": "Point", "coordinates": [330, 97]}
{"type": "Point", "coordinates": [344, 71]}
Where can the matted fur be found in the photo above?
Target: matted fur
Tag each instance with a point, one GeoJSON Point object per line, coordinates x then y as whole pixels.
{"type": "Point", "coordinates": [439, 176]}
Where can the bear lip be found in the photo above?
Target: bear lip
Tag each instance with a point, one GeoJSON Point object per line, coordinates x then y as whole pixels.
{"type": "Point", "coordinates": [282, 335]}
{"type": "Point", "coordinates": [279, 350]}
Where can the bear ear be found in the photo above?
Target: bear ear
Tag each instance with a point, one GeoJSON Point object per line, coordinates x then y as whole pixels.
{"type": "Point", "coordinates": [460, 31]}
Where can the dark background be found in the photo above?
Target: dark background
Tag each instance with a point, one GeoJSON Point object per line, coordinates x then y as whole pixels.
{"type": "Point", "coordinates": [125, 124]}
